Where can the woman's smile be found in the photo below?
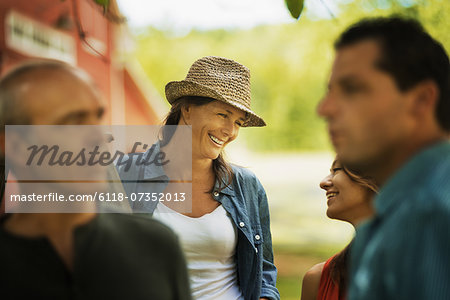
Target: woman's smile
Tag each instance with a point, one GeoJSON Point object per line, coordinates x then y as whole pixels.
{"type": "Point", "coordinates": [216, 140]}
{"type": "Point", "coordinates": [331, 196]}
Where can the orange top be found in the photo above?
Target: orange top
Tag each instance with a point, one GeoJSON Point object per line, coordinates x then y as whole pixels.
{"type": "Point", "coordinates": [328, 290]}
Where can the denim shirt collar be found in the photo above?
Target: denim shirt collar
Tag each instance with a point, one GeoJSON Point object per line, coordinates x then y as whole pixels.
{"type": "Point", "coordinates": [408, 175]}
{"type": "Point", "coordinates": [155, 171]}
{"type": "Point", "coordinates": [228, 190]}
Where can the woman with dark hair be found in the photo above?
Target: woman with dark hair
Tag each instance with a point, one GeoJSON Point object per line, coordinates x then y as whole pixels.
{"type": "Point", "coordinates": [349, 197]}
{"type": "Point", "coordinates": [226, 234]}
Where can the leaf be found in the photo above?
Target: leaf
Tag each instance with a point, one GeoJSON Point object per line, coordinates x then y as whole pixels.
{"type": "Point", "coordinates": [295, 7]}
{"type": "Point", "coordinates": [103, 3]}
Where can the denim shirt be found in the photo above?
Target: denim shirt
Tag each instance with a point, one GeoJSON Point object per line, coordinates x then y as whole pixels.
{"type": "Point", "coordinates": [245, 201]}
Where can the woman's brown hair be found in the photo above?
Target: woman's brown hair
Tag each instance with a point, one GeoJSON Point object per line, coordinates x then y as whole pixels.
{"type": "Point", "coordinates": [339, 263]}
{"type": "Point", "coordinates": [221, 168]}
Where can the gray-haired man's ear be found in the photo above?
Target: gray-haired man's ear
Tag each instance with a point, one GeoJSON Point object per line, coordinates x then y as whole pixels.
{"type": "Point", "coordinates": [109, 137]}
{"type": "Point", "coordinates": [16, 145]}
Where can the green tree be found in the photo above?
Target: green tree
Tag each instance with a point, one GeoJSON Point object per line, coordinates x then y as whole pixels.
{"type": "Point", "coordinates": [289, 64]}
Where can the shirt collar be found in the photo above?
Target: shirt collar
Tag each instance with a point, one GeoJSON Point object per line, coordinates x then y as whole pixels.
{"type": "Point", "coordinates": [155, 171]}
{"type": "Point", "coordinates": [227, 190]}
{"type": "Point", "coordinates": [409, 175]}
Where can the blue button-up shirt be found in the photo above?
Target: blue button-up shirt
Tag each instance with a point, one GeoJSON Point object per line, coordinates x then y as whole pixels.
{"type": "Point", "coordinates": [246, 202]}
{"type": "Point", "coordinates": [404, 252]}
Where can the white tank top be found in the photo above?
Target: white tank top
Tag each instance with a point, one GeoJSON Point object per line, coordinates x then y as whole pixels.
{"type": "Point", "coordinates": [209, 244]}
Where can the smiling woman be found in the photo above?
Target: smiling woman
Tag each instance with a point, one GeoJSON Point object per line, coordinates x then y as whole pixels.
{"type": "Point", "coordinates": [349, 198]}
{"type": "Point", "coordinates": [215, 99]}
{"type": "Point", "coordinates": [225, 235]}
{"type": "Point", "coordinates": [348, 194]}
{"type": "Point", "coordinates": [207, 116]}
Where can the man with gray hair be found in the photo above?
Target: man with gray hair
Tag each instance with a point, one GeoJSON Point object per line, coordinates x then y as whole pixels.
{"type": "Point", "coordinates": [77, 255]}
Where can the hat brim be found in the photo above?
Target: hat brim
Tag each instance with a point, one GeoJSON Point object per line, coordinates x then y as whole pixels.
{"type": "Point", "coordinates": [178, 89]}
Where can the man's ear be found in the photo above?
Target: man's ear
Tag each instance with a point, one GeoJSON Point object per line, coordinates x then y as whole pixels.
{"type": "Point", "coordinates": [14, 147]}
{"type": "Point", "coordinates": [2, 144]}
{"type": "Point", "coordinates": [426, 95]}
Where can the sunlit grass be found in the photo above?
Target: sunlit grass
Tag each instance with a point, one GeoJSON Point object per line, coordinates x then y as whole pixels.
{"type": "Point", "coordinates": [293, 262]}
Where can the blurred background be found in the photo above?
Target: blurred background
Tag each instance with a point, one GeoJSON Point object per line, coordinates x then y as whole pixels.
{"type": "Point", "coordinates": [132, 48]}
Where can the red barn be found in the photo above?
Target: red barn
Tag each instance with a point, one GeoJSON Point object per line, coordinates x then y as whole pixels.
{"type": "Point", "coordinates": [85, 34]}
{"type": "Point", "coordinates": [82, 33]}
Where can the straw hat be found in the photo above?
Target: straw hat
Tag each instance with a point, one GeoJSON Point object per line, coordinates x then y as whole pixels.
{"type": "Point", "coordinates": [218, 78]}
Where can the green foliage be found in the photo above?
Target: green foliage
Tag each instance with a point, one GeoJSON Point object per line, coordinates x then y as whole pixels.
{"type": "Point", "coordinates": [289, 63]}
{"type": "Point", "coordinates": [288, 76]}
{"type": "Point", "coordinates": [103, 3]}
{"type": "Point", "coordinates": [289, 287]}
{"type": "Point", "coordinates": [295, 7]}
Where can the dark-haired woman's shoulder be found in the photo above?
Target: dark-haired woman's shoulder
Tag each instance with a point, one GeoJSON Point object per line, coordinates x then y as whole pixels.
{"type": "Point", "coordinates": [311, 281]}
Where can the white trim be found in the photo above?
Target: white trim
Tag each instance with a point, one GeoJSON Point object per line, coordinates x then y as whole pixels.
{"type": "Point", "coordinates": [35, 39]}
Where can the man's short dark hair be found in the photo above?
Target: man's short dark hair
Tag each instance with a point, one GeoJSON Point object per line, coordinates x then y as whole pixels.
{"type": "Point", "coordinates": [409, 54]}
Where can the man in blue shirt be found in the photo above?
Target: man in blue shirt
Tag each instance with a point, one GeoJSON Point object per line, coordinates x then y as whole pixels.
{"type": "Point", "coordinates": [388, 114]}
